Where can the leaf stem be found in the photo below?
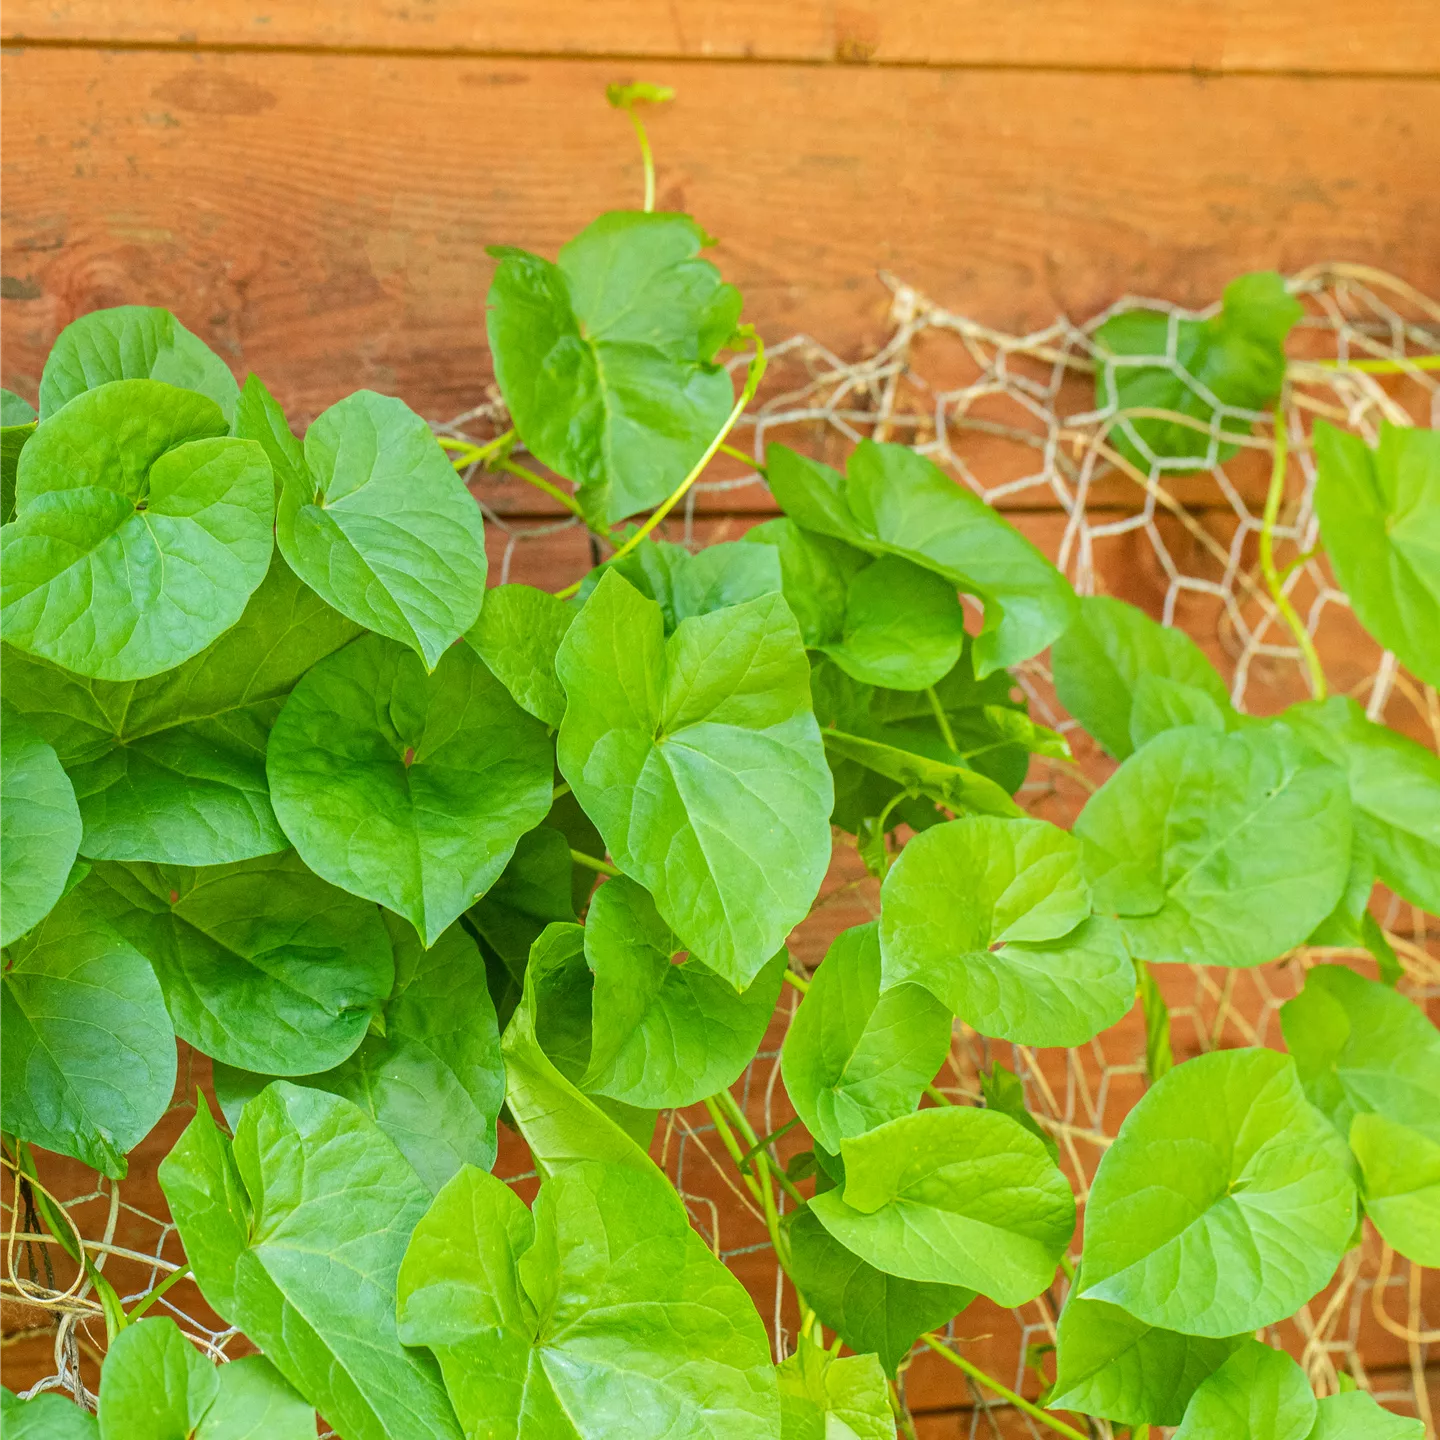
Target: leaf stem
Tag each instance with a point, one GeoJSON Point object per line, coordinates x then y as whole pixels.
{"type": "Point", "coordinates": [1273, 580]}
{"type": "Point", "coordinates": [735, 454]}
{"type": "Point", "coordinates": [747, 394]}
{"type": "Point", "coordinates": [1385, 367]}
{"type": "Point", "coordinates": [902, 1415]}
{"type": "Point", "coordinates": [798, 981]}
{"type": "Point", "coordinates": [938, 1095]}
{"type": "Point", "coordinates": [1003, 1391]}
{"type": "Point", "coordinates": [472, 454]}
{"type": "Point", "coordinates": [603, 867]}
{"type": "Point", "coordinates": [941, 719]}
{"type": "Point", "coordinates": [548, 487]}
{"type": "Point", "coordinates": [173, 1278]}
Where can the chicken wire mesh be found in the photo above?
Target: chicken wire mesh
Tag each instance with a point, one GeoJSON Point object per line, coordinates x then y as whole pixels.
{"type": "Point", "coordinates": [1014, 417]}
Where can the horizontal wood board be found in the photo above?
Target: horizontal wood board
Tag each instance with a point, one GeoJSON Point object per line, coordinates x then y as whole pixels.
{"type": "Point", "coordinates": [322, 219]}
{"type": "Point", "coordinates": [1395, 36]}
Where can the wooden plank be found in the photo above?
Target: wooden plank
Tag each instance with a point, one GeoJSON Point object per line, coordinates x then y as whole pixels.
{"type": "Point", "coordinates": [323, 219]}
{"type": "Point", "coordinates": [1393, 37]}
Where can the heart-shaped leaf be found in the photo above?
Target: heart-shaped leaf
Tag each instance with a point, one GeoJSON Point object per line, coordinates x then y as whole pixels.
{"type": "Point", "coordinates": [1235, 359]}
{"type": "Point", "coordinates": [1257, 1394]}
{"type": "Point", "coordinates": [142, 530]}
{"type": "Point", "coordinates": [700, 761]}
{"type": "Point", "coordinates": [409, 789]}
{"type": "Point", "coordinates": [172, 769]}
{"type": "Point", "coordinates": [1225, 1202]}
{"type": "Point", "coordinates": [157, 1386]}
{"type": "Point", "coordinates": [379, 525]}
{"type": "Point", "coordinates": [133, 342]}
{"type": "Point", "coordinates": [1354, 1415]}
{"type": "Point", "coordinates": [823, 1397]}
{"type": "Point", "coordinates": [429, 1071]}
{"type": "Point", "coordinates": [607, 359]}
{"type": "Point", "coordinates": [518, 632]}
{"type": "Point", "coordinates": [600, 1313]}
{"type": "Point", "coordinates": [295, 1232]}
{"type": "Point", "coordinates": [1110, 1364]}
{"type": "Point", "coordinates": [1218, 849]}
{"type": "Point", "coordinates": [993, 918]}
{"type": "Point", "coordinates": [39, 827]}
{"type": "Point", "coordinates": [87, 1056]}
{"type": "Point", "coordinates": [1107, 654]}
{"type": "Point", "coordinates": [855, 1057]}
{"type": "Point", "coordinates": [664, 1034]}
{"type": "Point", "coordinates": [46, 1417]}
{"type": "Point", "coordinates": [874, 1312]}
{"type": "Point", "coordinates": [956, 1196]}
{"type": "Point", "coordinates": [264, 965]}
{"type": "Point", "coordinates": [1379, 513]}
{"type": "Point", "coordinates": [892, 501]}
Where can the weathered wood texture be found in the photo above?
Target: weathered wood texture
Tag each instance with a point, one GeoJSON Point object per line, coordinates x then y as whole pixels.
{"type": "Point", "coordinates": [1396, 36]}
{"type": "Point", "coordinates": [322, 218]}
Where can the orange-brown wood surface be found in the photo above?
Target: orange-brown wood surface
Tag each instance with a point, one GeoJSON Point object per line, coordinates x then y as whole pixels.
{"type": "Point", "coordinates": [323, 218]}
{"type": "Point", "coordinates": [1393, 37]}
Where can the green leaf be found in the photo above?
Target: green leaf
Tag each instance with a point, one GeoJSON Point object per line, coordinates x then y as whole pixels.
{"type": "Point", "coordinates": [1379, 513]}
{"type": "Point", "coordinates": [1394, 788]}
{"type": "Point", "coordinates": [46, 1417]}
{"type": "Point", "coordinates": [517, 635]}
{"type": "Point", "coordinates": [895, 502]}
{"type": "Point", "coordinates": [1112, 1365]}
{"type": "Point", "coordinates": [955, 786]}
{"type": "Point", "coordinates": [1147, 360]}
{"type": "Point", "coordinates": [172, 769]}
{"type": "Point", "coordinates": [826, 1398]}
{"type": "Point", "coordinates": [1400, 1183]}
{"type": "Point", "coordinates": [258, 417]}
{"type": "Point", "coordinates": [606, 360]}
{"type": "Point", "coordinates": [956, 1196]}
{"type": "Point", "coordinates": [88, 1054]}
{"type": "Point", "coordinates": [39, 827]}
{"type": "Point", "coordinates": [142, 531]}
{"type": "Point", "coordinates": [855, 1057]}
{"type": "Point", "coordinates": [409, 789]}
{"type": "Point", "coordinates": [429, 1072]}
{"type": "Point", "coordinates": [296, 1233]}
{"type": "Point", "coordinates": [873, 1312]}
{"type": "Point", "coordinates": [561, 1126]}
{"type": "Point", "coordinates": [264, 966]}
{"type": "Point", "coordinates": [17, 425]}
{"type": "Point", "coordinates": [993, 918]}
{"type": "Point", "coordinates": [382, 528]}
{"type": "Point", "coordinates": [410, 765]}
{"type": "Point", "coordinates": [1257, 1394]}
{"type": "Point", "coordinates": [133, 342]}
{"type": "Point", "coordinates": [1004, 1091]}
{"type": "Point", "coordinates": [1102, 660]}
{"type": "Point", "coordinates": [1370, 1060]}
{"type": "Point", "coordinates": [256, 1403]}
{"type": "Point", "coordinates": [815, 571]}
{"type": "Point", "coordinates": [664, 1034]}
{"type": "Point", "coordinates": [1162, 704]}
{"type": "Point", "coordinates": [601, 1313]}
{"type": "Point", "coordinates": [1225, 1202]}
{"type": "Point", "coordinates": [700, 761]}
{"type": "Point", "coordinates": [1356, 1416]}
{"type": "Point", "coordinates": [1159, 1056]}
{"type": "Point", "coordinates": [686, 584]}
{"type": "Point", "coordinates": [155, 1384]}
{"type": "Point", "coordinates": [1361, 1047]}
{"type": "Point", "coordinates": [1218, 849]}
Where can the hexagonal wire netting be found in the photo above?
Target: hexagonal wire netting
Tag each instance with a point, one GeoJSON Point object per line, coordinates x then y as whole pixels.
{"type": "Point", "coordinates": [1014, 417]}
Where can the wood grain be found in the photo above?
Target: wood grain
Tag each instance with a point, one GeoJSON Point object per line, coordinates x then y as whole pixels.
{"type": "Point", "coordinates": [1392, 37]}
{"type": "Point", "coordinates": [322, 219]}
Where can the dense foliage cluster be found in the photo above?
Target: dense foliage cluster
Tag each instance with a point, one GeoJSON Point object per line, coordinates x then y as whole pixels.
{"type": "Point", "coordinates": [282, 778]}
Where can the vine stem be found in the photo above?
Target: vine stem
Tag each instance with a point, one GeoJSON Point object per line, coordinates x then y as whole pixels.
{"type": "Point", "coordinates": [472, 454]}
{"type": "Point", "coordinates": [941, 718]}
{"type": "Point", "coordinates": [602, 867]}
{"type": "Point", "coordinates": [547, 487]}
{"type": "Point", "coordinates": [1004, 1391]}
{"type": "Point", "coordinates": [1385, 367]}
{"type": "Point", "coordinates": [1273, 580]}
{"type": "Point", "coordinates": [747, 394]}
